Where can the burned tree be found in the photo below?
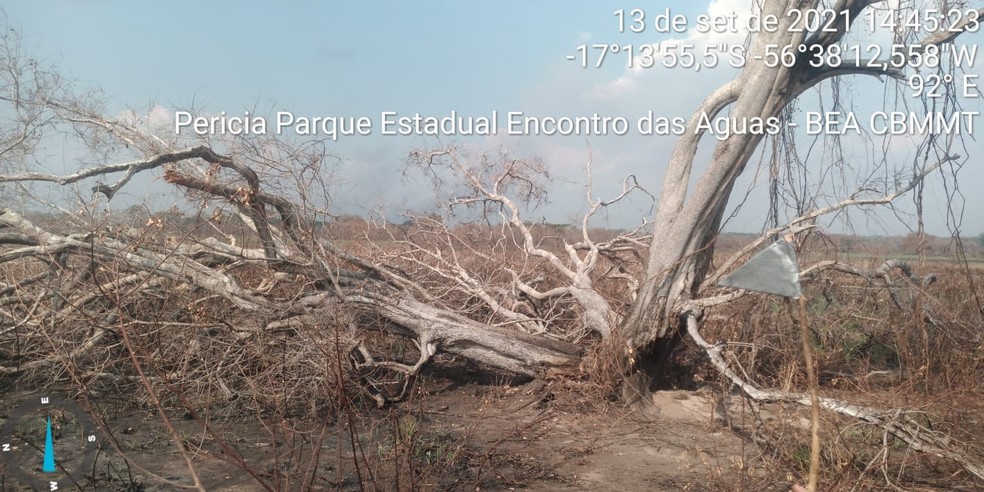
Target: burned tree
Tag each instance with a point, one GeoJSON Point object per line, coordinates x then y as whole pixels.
{"type": "Point", "coordinates": [248, 255]}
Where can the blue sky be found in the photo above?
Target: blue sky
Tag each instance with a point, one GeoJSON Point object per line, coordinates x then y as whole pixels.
{"type": "Point", "coordinates": [340, 56]}
{"type": "Point", "coordinates": [360, 58]}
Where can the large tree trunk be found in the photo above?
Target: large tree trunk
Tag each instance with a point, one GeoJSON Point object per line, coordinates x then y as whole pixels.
{"type": "Point", "coordinates": [684, 229]}
{"type": "Point", "coordinates": [440, 329]}
{"type": "Point", "coordinates": [685, 226]}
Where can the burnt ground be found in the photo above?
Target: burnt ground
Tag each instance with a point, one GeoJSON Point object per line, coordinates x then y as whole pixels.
{"type": "Point", "coordinates": [480, 435]}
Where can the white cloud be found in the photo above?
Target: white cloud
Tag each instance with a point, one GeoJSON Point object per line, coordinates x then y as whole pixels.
{"type": "Point", "coordinates": [155, 117]}
{"type": "Point", "coordinates": [156, 123]}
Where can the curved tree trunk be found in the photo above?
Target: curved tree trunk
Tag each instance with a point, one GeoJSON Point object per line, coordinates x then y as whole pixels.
{"type": "Point", "coordinates": [686, 226]}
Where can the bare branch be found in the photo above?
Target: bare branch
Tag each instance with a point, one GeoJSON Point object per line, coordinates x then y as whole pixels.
{"type": "Point", "coordinates": [795, 226]}
{"type": "Point", "coordinates": [893, 421]}
{"type": "Point", "coordinates": [951, 33]}
{"type": "Point", "coordinates": [131, 168]}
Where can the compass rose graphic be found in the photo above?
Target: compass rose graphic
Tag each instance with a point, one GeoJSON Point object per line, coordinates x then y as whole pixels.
{"type": "Point", "coordinates": [48, 443]}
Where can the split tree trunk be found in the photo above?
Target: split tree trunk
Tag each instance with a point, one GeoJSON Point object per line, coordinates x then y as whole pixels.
{"type": "Point", "coordinates": [687, 223]}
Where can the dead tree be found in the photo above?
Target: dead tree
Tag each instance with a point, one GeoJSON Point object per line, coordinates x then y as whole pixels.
{"type": "Point", "coordinates": [548, 268]}
{"type": "Point", "coordinates": [70, 264]}
{"type": "Point", "coordinates": [687, 220]}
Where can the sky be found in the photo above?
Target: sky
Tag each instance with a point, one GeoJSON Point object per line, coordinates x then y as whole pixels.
{"type": "Point", "coordinates": [430, 57]}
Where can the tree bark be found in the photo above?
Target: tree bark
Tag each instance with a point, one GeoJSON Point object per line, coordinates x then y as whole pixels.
{"type": "Point", "coordinates": [508, 350]}
{"type": "Point", "coordinates": [684, 228]}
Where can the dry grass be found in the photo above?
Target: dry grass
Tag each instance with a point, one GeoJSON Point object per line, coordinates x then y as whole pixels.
{"type": "Point", "coordinates": [202, 357]}
{"type": "Point", "coordinates": [925, 358]}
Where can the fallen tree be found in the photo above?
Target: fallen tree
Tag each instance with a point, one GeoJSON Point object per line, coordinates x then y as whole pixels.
{"type": "Point", "coordinates": [255, 258]}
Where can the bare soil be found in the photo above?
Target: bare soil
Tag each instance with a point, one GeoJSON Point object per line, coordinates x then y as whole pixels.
{"type": "Point", "coordinates": [480, 435]}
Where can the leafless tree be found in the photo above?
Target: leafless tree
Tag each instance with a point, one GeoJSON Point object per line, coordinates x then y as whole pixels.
{"type": "Point", "coordinates": [687, 220]}
{"type": "Point", "coordinates": [257, 249]}
{"type": "Point", "coordinates": [568, 268]}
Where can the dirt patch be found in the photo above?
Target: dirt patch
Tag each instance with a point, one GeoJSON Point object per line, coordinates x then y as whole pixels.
{"type": "Point", "coordinates": [536, 436]}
